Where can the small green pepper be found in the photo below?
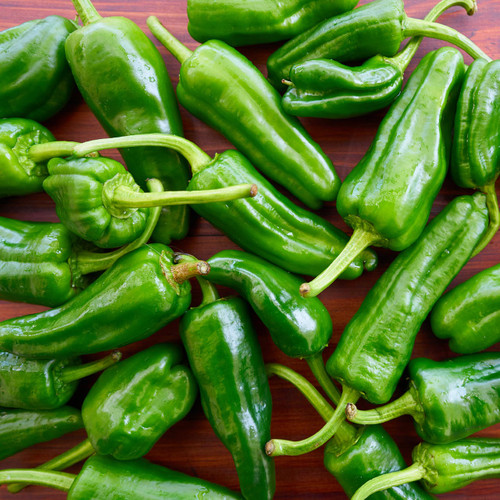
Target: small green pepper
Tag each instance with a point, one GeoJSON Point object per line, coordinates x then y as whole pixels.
{"type": "Point", "coordinates": [449, 400]}
{"type": "Point", "coordinates": [443, 467]}
{"type": "Point", "coordinates": [36, 80]}
{"type": "Point", "coordinates": [469, 314]}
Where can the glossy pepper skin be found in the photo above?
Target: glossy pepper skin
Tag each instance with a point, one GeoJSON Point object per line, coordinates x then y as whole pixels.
{"type": "Point", "coordinates": [20, 429]}
{"type": "Point", "coordinates": [226, 359]}
{"type": "Point", "coordinates": [123, 78]}
{"type": "Point", "coordinates": [132, 300]}
{"type": "Point", "coordinates": [133, 403]}
{"type": "Point", "coordinates": [20, 174]}
{"type": "Point", "coordinates": [376, 345]}
{"type": "Point", "coordinates": [300, 327]}
{"type": "Point", "coordinates": [32, 57]}
{"type": "Point", "coordinates": [469, 314]}
{"type": "Point", "coordinates": [224, 89]}
{"type": "Point", "coordinates": [262, 21]}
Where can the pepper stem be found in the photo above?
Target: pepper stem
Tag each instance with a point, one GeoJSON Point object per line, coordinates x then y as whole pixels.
{"type": "Point", "coordinates": [494, 216]}
{"type": "Point", "coordinates": [403, 59]}
{"type": "Point", "coordinates": [317, 367]}
{"type": "Point", "coordinates": [58, 480]}
{"type": "Point", "coordinates": [186, 270]}
{"type": "Point", "coordinates": [280, 447]}
{"type": "Point", "coordinates": [72, 373]}
{"type": "Point", "coordinates": [360, 240]}
{"type": "Point", "coordinates": [47, 150]}
{"type": "Point", "coordinates": [71, 457]}
{"type": "Point", "coordinates": [419, 27]}
{"type": "Point", "coordinates": [174, 46]}
{"type": "Point", "coordinates": [87, 12]}
{"type": "Point", "coordinates": [413, 473]}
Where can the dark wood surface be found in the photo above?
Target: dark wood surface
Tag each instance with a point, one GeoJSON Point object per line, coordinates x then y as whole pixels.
{"type": "Point", "coordinates": [191, 446]}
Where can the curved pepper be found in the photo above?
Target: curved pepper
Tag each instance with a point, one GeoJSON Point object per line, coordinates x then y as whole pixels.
{"type": "Point", "coordinates": [20, 429]}
{"type": "Point", "coordinates": [469, 314]}
{"type": "Point", "coordinates": [260, 21]}
{"type": "Point", "coordinates": [227, 362]}
{"type": "Point", "coordinates": [36, 80]}
{"type": "Point", "coordinates": [376, 28]}
{"type": "Point", "coordinates": [449, 400]}
{"type": "Point", "coordinates": [443, 467]}
{"type": "Point", "coordinates": [325, 88]}
{"type": "Point", "coordinates": [224, 89]}
{"type": "Point", "coordinates": [32, 384]}
{"type": "Point", "coordinates": [134, 298]}
{"type": "Point", "coordinates": [475, 159]}
{"type": "Point", "coordinates": [388, 196]}
{"type": "Point", "coordinates": [103, 478]}
{"type": "Point", "coordinates": [123, 78]}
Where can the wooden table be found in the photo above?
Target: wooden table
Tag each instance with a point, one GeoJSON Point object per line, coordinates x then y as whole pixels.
{"type": "Point", "coordinates": [191, 445]}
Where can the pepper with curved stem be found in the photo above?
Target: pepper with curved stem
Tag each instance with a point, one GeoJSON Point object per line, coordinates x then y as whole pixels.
{"type": "Point", "coordinates": [376, 28]}
{"type": "Point", "coordinates": [443, 467]}
{"type": "Point", "coordinates": [325, 88]}
{"type": "Point", "coordinates": [268, 224]}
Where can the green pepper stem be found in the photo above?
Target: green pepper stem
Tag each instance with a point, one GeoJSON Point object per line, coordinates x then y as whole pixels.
{"type": "Point", "coordinates": [71, 457]}
{"type": "Point", "coordinates": [186, 270]}
{"type": "Point", "coordinates": [178, 49]}
{"type": "Point", "coordinates": [73, 373]}
{"type": "Point", "coordinates": [58, 480]}
{"type": "Point", "coordinates": [86, 262]}
{"type": "Point", "coordinates": [360, 240]}
{"type": "Point", "coordinates": [280, 447]}
{"type": "Point", "coordinates": [87, 12]}
{"type": "Point", "coordinates": [47, 150]}
{"type": "Point", "coordinates": [317, 367]}
{"type": "Point", "coordinates": [419, 27]}
{"type": "Point", "coordinates": [413, 473]}
{"type": "Point", "coordinates": [494, 216]}
{"type": "Point", "coordinates": [403, 59]}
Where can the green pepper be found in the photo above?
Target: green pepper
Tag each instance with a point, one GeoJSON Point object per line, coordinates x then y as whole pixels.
{"type": "Point", "coordinates": [36, 80]}
{"type": "Point", "coordinates": [99, 201]}
{"type": "Point", "coordinates": [139, 294]}
{"type": "Point", "coordinates": [227, 362]}
{"type": "Point", "coordinates": [449, 400]}
{"type": "Point", "coordinates": [387, 198]}
{"type": "Point", "coordinates": [443, 467]}
{"type": "Point", "coordinates": [475, 159]}
{"type": "Point", "coordinates": [260, 21]}
{"type": "Point", "coordinates": [43, 263]}
{"type": "Point", "coordinates": [224, 89]}
{"type": "Point", "coordinates": [469, 315]}
{"type": "Point", "coordinates": [123, 79]}
{"type": "Point", "coordinates": [32, 384]}
{"type": "Point", "coordinates": [20, 429]}
{"type": "Point", "coordinates": [325, 88]}
{"type": "Point", "coordinates": [103, 478]}
{"type": "Point", "coordinates": [376, 345]}
{"type": "Point", "coordinates": [376, 28]}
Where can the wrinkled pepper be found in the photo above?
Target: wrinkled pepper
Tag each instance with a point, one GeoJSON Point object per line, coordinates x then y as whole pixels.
{"type": "Point", "coordinates": [43, 263]}
{"type": "Point", "coordinates": [139, 294]}
{"type": "Point", "coordinates": [123, 79]}
{"type": "Point", "coordinates": [469, 314]}
{"type": "Point", "coordinates": [475, 159]}
{"type": "Point", "coordinates": [449, 400]}
{"type": "Point", "coordinates": [387, 198]}
{"type": "Point", "coordinates": [260, 21]}
{"type": "Point", "coordinates": [226, 359]}
{"type": "Point", "coordinates": [224, 89]}
{"type": "Point", "coordinates": [443, 467]}
{"type": "Point", "coordinates": [376, 345]}
{"type": "Point", "coordinates": [103, 478]}
{"type": "Point", "coordinates": [36, 80]}
{"type": "Point", "coordinates": [377, 28]}
{"type": "Point", "coordinates": [39, 384]}
{"type": "Point", "coordinates": [324, 88]}
{"type": "Point", "coordinates": [20, 429]}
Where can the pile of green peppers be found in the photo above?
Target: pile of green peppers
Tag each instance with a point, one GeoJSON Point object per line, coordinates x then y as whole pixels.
{"type": "Point", "coordinates": [103, 278]}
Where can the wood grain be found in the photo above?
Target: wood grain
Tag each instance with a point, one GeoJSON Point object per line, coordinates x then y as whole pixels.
{"type": "Point", "coordinates": [191, 445]}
